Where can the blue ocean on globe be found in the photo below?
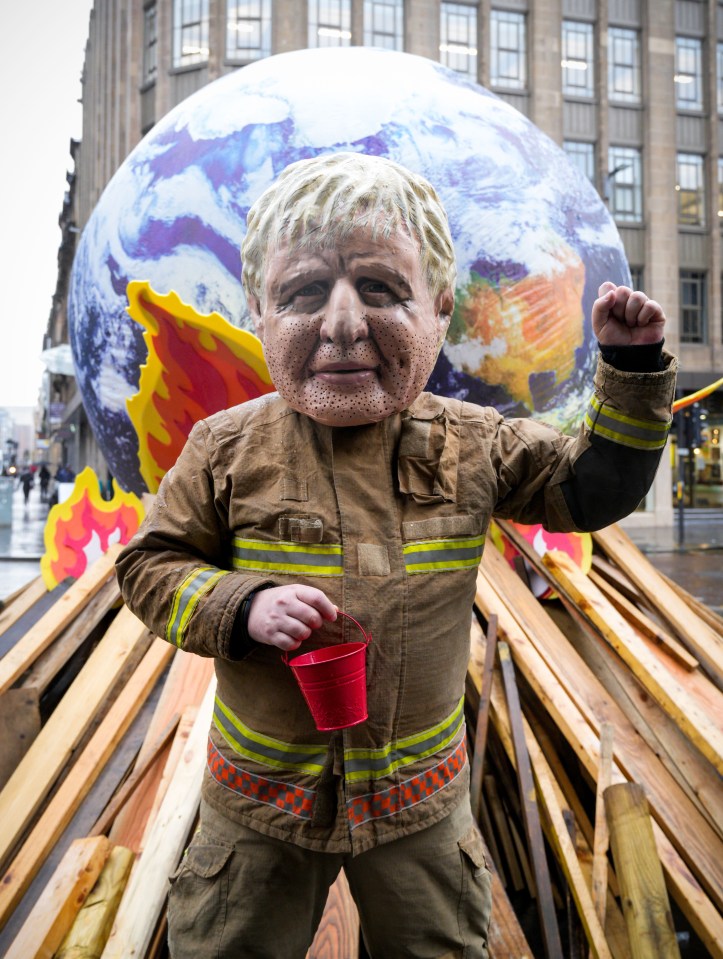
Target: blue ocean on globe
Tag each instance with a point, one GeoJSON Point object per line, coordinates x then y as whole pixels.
{"type": "Point", "coordinates": [533, 238]}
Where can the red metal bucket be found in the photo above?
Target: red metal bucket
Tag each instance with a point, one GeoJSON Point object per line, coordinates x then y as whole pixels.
{"type": "Point", "coordinates": [333, 681]}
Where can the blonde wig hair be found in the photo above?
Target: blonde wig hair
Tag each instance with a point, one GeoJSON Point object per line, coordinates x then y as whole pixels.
{"type": "Point", "coordinates": [322, 200]}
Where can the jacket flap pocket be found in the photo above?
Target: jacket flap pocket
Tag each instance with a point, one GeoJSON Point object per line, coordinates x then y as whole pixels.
{"type": "Point", "coordinates": [472, 846]}
{"type": "Point", "coordinates": [301, 529]}
{"type": "Point", "coordinates": [440, 527]}
{"type": "Point", "coordinates": [205, 860]}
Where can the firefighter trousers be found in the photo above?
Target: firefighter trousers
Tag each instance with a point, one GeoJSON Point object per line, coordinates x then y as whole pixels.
{"type": "Point", "coordinates": [239, 894]}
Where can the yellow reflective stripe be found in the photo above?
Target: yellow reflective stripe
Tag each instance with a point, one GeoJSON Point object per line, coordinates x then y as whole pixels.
{"type": "Point", "coordinates": [443, 554]}
{"type": "Point", "coordinates": [265, 749]}
{"type": "Point", "coordinates": [624, 429]}
{"type": "Point", "coordinates": [311, 560]}
{"type": "Point", "coordinates": [612, 413]}
{"type": "Point", "coordinates": [362, 764]}
{"type": "Point", "coordinates": [186, 599]}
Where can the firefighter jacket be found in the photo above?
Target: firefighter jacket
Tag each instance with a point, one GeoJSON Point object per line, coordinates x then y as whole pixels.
{"type": "Point", "coordinates": [389, 520]}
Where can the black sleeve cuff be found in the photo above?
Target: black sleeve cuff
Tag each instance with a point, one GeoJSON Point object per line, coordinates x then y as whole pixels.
{"type": "Point", "coordinates": [242, 645]}
{"type": "Point", "coordinates": [635, 359]}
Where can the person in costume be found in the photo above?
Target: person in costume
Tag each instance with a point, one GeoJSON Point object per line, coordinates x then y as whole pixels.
{"type": "Point", "coordinates": [353, 489]}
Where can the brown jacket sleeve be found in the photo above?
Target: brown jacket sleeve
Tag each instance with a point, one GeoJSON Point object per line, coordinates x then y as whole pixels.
{"type": "Point", "coordinates": [601, 475]}
{"type": "Point", "coordinates": [175, 572]}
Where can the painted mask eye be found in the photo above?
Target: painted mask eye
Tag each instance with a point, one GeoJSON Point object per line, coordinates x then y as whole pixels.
{"type": "Point", "coordinates": [376, 292]}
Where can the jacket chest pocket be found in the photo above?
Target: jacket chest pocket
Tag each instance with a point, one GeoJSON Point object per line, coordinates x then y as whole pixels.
{"type": "Point", "coordinates": [428, 460]}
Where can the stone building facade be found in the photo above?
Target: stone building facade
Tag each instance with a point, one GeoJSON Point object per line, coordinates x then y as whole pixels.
{"type": "Point", "coordinates": [632, 90]}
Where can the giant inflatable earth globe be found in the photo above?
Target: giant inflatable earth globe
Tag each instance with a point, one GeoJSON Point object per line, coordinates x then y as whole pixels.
{"type": "Point", "coordinates": [533, 238]}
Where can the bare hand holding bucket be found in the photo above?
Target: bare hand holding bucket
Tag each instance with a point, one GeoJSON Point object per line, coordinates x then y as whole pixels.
{"type": "Point", "coordinates": [332, 679]}
{"type": "Point", "coordinates": [285, 616]}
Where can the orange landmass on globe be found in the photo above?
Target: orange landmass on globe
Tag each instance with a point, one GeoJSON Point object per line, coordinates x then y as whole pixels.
{"type": "Point", "coordinates": [526, 326]}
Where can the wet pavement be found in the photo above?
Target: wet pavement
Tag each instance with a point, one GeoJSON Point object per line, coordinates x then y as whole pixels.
{"type": "Point", "coordinates": [22, 544]}
{"type": "Point", "coordinates": [696, 564]}
{"type": "Point", "coordinates": [695, 559]}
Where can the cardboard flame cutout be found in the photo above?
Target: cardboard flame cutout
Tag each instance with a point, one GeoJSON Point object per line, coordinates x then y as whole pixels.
{"type": "Point", "coordinates": [84, 526]}
{"type": "Point", "coordinates": [577, 545]}
{"type": "Point", "coordinates": [197, 365]}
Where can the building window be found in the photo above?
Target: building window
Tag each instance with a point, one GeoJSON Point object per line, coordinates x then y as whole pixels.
{"type": "Point", "coordinates": [688, 74]}
{"type": "Point", "coordinates": [720, 191]}
{"type": "Point", "coordinates": [582, 156]}
{"type": "Point", "coordinates": [623, 65]}
{"type": "Point", "coordinates": [248, 30]}
{"type": "Point", "coordinates": [719, 76]}
{"type": "Point", "coordinates": [577, 59]}
{"type": "Point", "coordinates": [690, 187]}
{"type": "Point", "coordinates": [384, 24]}
{"type": "Point", "coordinates": [508, 67]}
{"type": "Point", "coordinates": [692, 307]}
{"type": "Point", "coordinates": [624, 186]}
{"type": "Point", "coordinates": [636, 278]}
{"type": "Point", "coordinates": [190, 32]}
{"type": "Point", "coordinates": [329, 23]}
{"type": "Point", "coordinates": [150, 44]}
{"type": "Point", "coordinates": [458, 37]}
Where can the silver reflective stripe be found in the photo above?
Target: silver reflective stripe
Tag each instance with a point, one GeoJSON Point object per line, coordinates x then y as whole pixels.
{"type": "Point", "coordinates": [265, 749]}
{"type": "Point", "coordinates": [293, 558]}
{"type": "Point", "coordinates": [361, 764]}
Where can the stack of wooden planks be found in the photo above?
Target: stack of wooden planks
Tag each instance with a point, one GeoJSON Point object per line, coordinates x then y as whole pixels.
{"type": "Point", "coordinates": [595, 734]}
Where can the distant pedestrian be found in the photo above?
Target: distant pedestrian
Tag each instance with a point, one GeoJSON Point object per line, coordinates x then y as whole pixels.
{"type": "Point", "coordinates": [64, 474]}
{"type": "Point", "coordinates": [44, 475]}
{"type": "Point", "coordinates": [27, 483]}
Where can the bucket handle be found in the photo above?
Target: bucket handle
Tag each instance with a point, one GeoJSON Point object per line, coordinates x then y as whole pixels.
{"type": "Point", "coordinates": [340, 612]}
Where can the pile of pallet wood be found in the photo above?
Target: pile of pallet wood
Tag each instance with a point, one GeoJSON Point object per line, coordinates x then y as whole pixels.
{"type": "Point", "coordinates": [594, 725]}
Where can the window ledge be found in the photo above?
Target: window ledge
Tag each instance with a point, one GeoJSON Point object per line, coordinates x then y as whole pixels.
{"type": "Point", "coordinates": [188, 68]}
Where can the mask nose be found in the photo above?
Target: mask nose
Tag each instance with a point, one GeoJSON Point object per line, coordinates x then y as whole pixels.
{"type": "Point", "coordinates": [344, 321]}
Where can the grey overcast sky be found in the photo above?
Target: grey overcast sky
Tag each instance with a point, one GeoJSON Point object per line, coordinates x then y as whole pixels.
{"type": "Point", "coordinates": [40, 72]}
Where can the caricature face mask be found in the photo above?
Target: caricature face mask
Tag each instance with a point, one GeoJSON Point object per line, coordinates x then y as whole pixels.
{"type": "Point", "coordinates": [351, 330]}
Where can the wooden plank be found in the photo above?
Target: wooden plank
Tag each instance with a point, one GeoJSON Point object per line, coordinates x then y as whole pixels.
{"type": "Point", "coordinates": [480, 737]}
{"type": "Point", "coordinates": [188, 678]}
{"type": "Point", "coordinates": [644, 897]}
{"type": "Point", "coordinates": [17, 605]}
{"type": "Point", "coordinates": [68, 797]}
{"type": "Point", "coordinates": [531, 817]}
{"type": "Point", "coordinates": [338, 932]}
{"type": "Point", "coordinates": [37, 771]}
{"type": "Point", "coordinates": [49, 663]}
{"type": "Point", "coordinates": [682, 708]}
{"type": "Point", "coordinates": [693, 838]}
{"type": "Point", "coordinates": [692, 772]}
{"type": "Point", "coordinates": [178, 746]}
{"type": "Point", "coordinates": [601, 838]}
{"type": "Point", "coordinates": [19, 726]}
{"type": "Point", "coordinates": [713, 619]}
{"type": "Point", "coordinates": [103, 824]}
{"type": "Point", "coordinates": [506, 937]}
{"type": "Point", "coordinates": [549, 794]}
{"type": "Point", "coordinates": [88, 935]}
{"type": "Point", "coordinates": [508, 863]}
{"type": "Point", "coordinates": [16, 630]}
{"type": "Point", "coordinates": [113, 774]}
{"type": "Point", "coordinates": [6, 601]}
{"type": "Point", "coordinates": [646, 625]}
{"type": "Point", "coordinates": [617, 578]}
{"type": "Point", "coordinates": [705, 644]}
{"type": "Point", "coordinates": [560, 678]}
{"type": "Point", "coordinates": [42, 634]}
{"type": "Point", "coordinates": [61, 901]}
{"type": "Point", "coordinates": [145, 894]}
